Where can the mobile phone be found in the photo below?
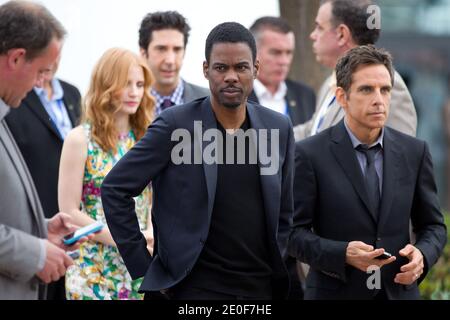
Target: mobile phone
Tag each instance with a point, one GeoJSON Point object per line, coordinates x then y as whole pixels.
{"type": "Point", "coordinates": [384, 256]}
{"type": "Point", "coordinates": [82, 232]}
{"type": "Point", "coordinates": [74, 255]}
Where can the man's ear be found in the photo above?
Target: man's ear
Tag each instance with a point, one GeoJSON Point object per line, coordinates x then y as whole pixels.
{"type": "Point", "coordinates": [341, 98]}
{"type": "Point", "coordinates": [344, 35]}
{"type": "Point", "coordinates": [16, 57]}
{"type": "Point", "coordinates": [143, 53]}
{"type": "Point", "coordinates": [205, 69]}
{"type": "Point", "coordinates": [256, 69]}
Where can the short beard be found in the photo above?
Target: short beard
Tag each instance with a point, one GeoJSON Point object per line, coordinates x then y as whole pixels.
{"type": "Point", "coordinates": [231, 105]}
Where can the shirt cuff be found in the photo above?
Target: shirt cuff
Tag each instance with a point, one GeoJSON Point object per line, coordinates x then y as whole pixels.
{"type": "Point", "coordinates": [42, 254]}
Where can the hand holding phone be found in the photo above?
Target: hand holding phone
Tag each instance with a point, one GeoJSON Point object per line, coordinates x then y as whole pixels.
{"type": "Point", "coordinates": [83, 232]}
{"type": "Point", "coordinates": [384, 256]}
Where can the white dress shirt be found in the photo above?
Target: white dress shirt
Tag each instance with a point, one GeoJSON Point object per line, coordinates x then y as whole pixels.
{"type": "Point", "coordinates": [276, 102]}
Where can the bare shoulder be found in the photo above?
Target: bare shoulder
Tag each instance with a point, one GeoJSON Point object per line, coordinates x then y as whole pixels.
{"type": "Point", "coordinates": [76, 137]}
{"type": "Point", "coordinates": [75, 144]}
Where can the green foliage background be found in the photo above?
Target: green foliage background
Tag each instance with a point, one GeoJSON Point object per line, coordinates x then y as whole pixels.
{"type": "Point", "coordinates": [436, 285]}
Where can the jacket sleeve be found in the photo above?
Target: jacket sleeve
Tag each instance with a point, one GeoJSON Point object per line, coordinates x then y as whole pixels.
{"type": "Point", "coordinates": [325, 255]}
{"type": "Point", "coordinates": [287, 202]}
{"type": "Point", "coordinates": [427, 219]}
{"type": "Point", "coordinates": [128, 179]}
{"type": "Point", "coordinates": [19, 254]}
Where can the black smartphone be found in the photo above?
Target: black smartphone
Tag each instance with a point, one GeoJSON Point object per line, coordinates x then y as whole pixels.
{"type": "Point", "coordinates": [384, 256]}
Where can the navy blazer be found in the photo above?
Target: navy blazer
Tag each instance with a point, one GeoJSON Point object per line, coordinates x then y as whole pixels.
{"type": "Point", "coordinates": [301, 101]}
{"type": "Point", "coordinates": [183, 197]}
{"type": "Point", "coordinates": [332, 209]}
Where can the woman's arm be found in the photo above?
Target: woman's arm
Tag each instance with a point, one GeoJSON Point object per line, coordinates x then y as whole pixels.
{"type": "Point", "coordinates": [70, 184]}
{"type": "Point", "coordinates": [148, 233]}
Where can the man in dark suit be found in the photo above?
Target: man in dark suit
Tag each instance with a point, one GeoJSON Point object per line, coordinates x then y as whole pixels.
{"type": "Point", "coordinates": [203, 209]}
{"type": "Point", "coordinates": [357, 186]}
{"type": "Point", "coordinates": [276, 44]}
{"type": "Point", "coordinates": [39, 127]}
{"type": "Point", "coordinates": [163, 37]}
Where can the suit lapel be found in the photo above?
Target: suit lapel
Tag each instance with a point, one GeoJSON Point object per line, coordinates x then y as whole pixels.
{"type": "Point", "coordinates": [333, 116]}
{"type": "Point", "coordinates": [269, 183]}
{"type": "Point", "coordinates": [71, 102]}
{"type": "Point", "coordinates": [335, 112]}
{"type": "Point", "coordinates": [208, 122]}
{"type": "Point", "coordinates": [7, 139]}
{"type": "Point", "coordinates": [343, 151]}
{"type": "Point", "coordinates": [253, 97]}
{"type": "Point", "coordinates": [70, 107]}
{"type": "Point", "coordinates": [33, 102]}
{"type": "Point", "coordinates": [192, 92]}
{"type": "Point", "coordinates": [391, 168]}
{"type": "Point", "coordinates": [323, 93]}
{"type": "Point", "coordinates": [296, 112]}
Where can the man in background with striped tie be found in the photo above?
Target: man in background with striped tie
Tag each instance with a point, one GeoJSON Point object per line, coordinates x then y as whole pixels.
{"type": "Point", "coordinates": [340, 26]}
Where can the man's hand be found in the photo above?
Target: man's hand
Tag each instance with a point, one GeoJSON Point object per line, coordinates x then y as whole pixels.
{"type": "Point", "coordinates": [56, 263]}
{"type": "Point", "coordinates": [148, 234]}
{"type": "Point", "coordinates": [413, 270]}
{"type": "Point", "coordinates": [362, 256]}
{"type": "Point", "coordinates": [60, 226]}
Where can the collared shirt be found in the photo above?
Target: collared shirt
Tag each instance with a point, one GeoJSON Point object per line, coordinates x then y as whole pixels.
{"type": "Point", "coordinates": [327, 102]}
{"type": "Point", "coordinates": [276, 102]}
{"type": "Point", "coordinates": [362, 157]}
{"type": "Point", "coordinates": [55, 107]}
{"type": "Point", "coordinates": [4, 110]}
{"type": "Point", "coordinates": [176, 97]}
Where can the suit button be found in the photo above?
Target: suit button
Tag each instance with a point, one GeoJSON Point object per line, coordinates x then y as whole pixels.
{"type": "Point", "coordinates": [187, 271]}
{"type": "Point", "coordinates": [202, 242]}
{"type": "Point", "coordinates": [378, 239]}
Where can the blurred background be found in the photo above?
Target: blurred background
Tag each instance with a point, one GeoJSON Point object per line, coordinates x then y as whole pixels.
{"type": "Point", "coordinates": [94, 26]}
{"type": "Point", "coordinates": [416, 32]}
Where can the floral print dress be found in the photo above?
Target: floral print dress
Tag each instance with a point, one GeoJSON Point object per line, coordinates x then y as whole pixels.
{"type": "Point", "coordinates": [100, 273]}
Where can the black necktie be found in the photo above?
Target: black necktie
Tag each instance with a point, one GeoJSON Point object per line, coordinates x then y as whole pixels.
{"type": "Point", "coordinates": [167, 103]}
{"type": "Point", "coordinates": [371, 177]}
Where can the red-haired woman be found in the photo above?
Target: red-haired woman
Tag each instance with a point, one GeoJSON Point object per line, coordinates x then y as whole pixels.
{"type": "Point", "coordinates": [116, 113]}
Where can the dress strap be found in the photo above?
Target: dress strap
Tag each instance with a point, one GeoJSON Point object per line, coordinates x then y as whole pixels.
{"type": "Point", "coordinates": [87, 130]}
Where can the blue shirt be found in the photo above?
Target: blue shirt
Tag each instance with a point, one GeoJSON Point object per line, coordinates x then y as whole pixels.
{"type": "Point", "coordinates": [362, 157]}
{"type": "Point", "coordinates": [176, 97]}
{"type": "Point", "coordinates": [55, 107]}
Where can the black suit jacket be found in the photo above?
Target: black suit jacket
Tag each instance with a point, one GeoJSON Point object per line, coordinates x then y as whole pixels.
{"type": "Point", "coordinates": [184, 196]}
{"type": "Point", "coordinates": [301, 100]}
{"type": "Point", "coordinates": [40, 142]}
{"type": "Point", "coordinates": [331, 210]}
